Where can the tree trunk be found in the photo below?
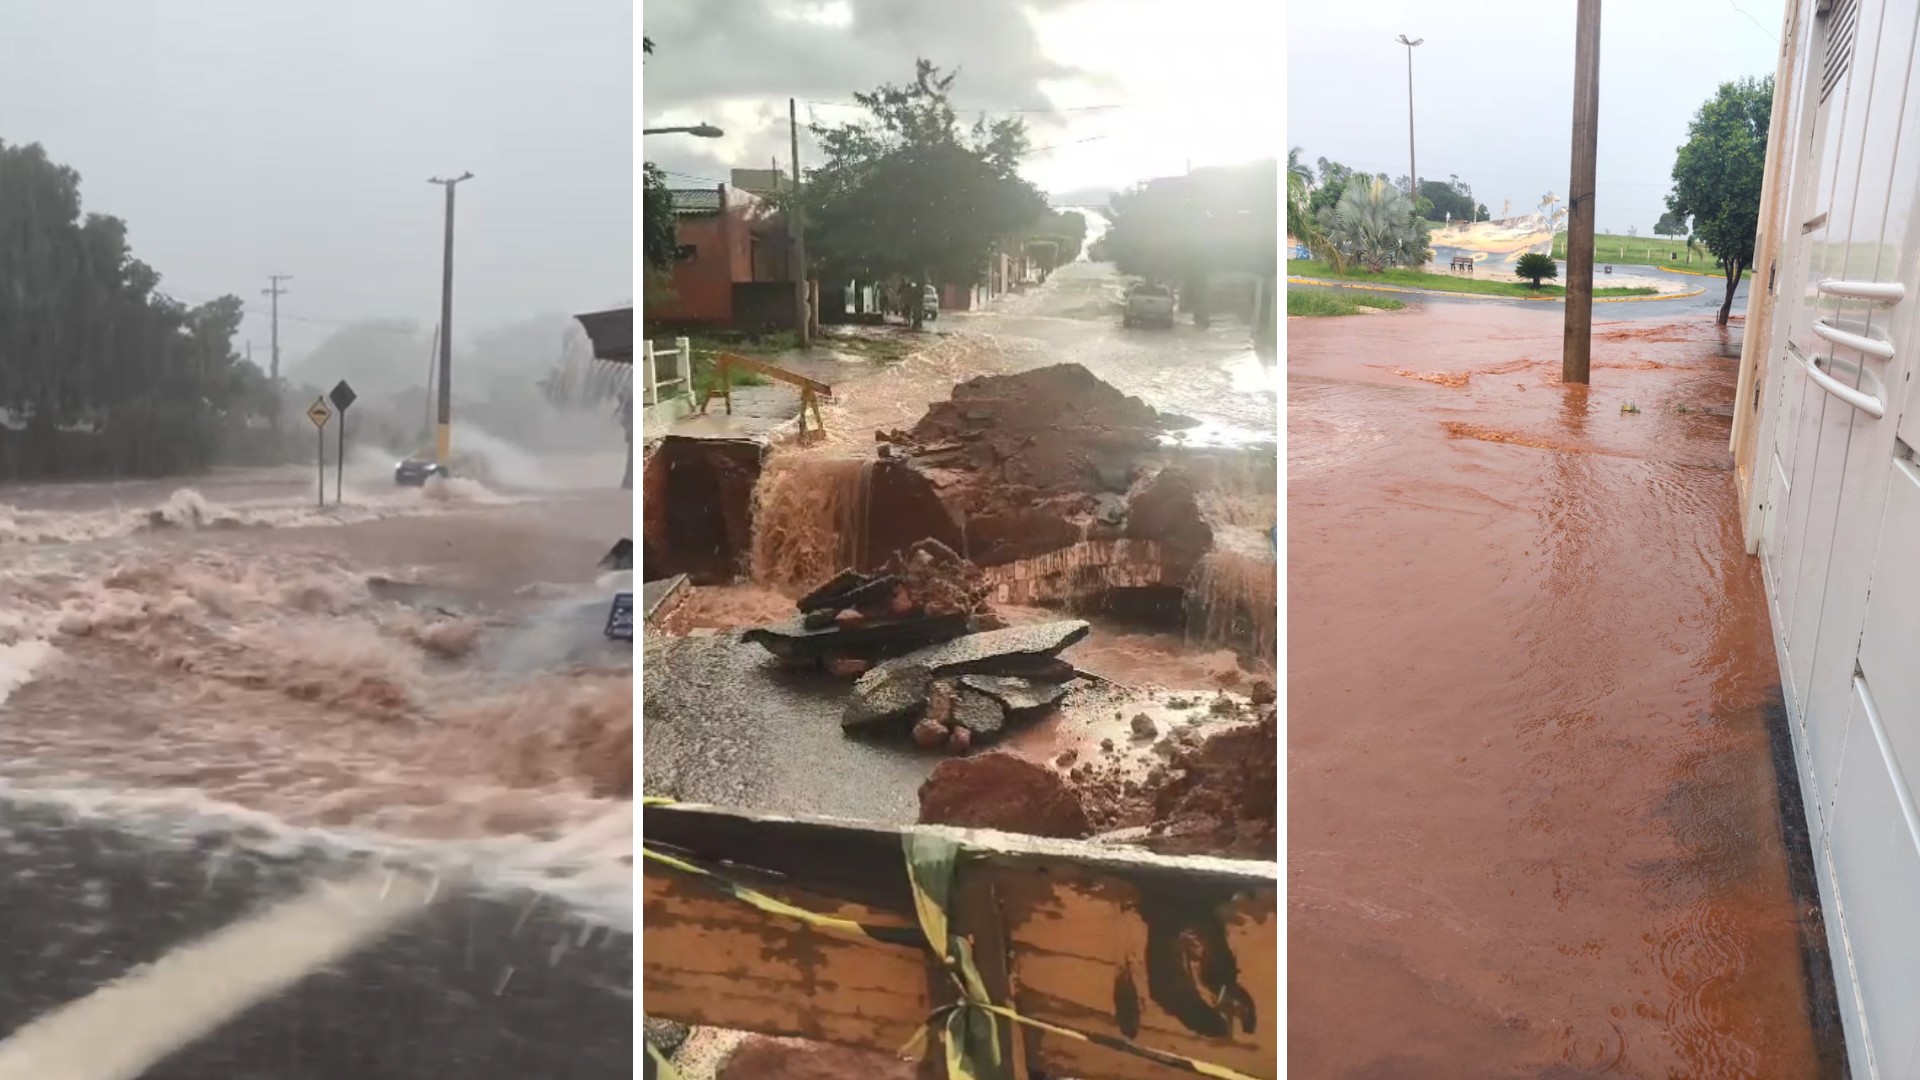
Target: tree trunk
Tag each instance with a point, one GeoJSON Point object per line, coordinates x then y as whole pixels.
{"type": "Point", "coordinates": [1734, 269]}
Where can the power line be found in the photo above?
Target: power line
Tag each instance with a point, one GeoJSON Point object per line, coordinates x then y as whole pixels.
{"type": "Point", "coordinates": [1754, 21]}
{"type": "Point", "coordinates": [991, 111]}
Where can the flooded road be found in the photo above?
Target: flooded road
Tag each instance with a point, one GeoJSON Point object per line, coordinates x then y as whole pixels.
{"type": "Point", "coordinates": [216, 695]}
{"type": "Point", "coordinates": [1533, 818]}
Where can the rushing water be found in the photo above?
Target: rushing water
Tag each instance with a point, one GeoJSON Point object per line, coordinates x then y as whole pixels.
{"type": "Point", "coordinates": [1533, 822]}
{"type": "Point", "coordinates": [393, 673]}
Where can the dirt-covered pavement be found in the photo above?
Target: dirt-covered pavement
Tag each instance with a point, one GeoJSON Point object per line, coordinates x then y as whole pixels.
{"type": "Point", "coordinates": [1534, 825]}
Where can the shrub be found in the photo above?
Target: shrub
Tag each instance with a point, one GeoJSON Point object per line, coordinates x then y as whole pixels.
{"type": "Point", "coordinates": [1536, 267]}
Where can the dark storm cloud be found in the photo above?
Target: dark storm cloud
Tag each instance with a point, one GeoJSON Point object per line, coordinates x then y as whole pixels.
{"type": "Point", "coordinates": [733, 50]}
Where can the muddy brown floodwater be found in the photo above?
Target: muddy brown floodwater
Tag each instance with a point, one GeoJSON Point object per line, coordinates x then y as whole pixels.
{"type": "Point", "coordinates": [1533, 819]}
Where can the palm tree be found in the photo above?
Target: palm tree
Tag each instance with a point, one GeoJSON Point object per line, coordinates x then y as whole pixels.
{"type": "Point", "coordinates": [1300, 221]}
{"type": "Point", "coordinates": [1375, 223]}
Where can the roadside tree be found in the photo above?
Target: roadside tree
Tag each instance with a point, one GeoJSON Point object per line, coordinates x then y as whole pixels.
{"type": "Point", "coordinates": [1718, 173]}
{"type": "Point", "coordinates": [910, 195]}
{"type": "Point", "coordinates": [101, 372]}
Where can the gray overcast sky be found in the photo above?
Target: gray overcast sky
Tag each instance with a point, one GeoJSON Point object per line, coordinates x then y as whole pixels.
{"type": "Point", "coordinates": [1113, 90]}
{"type": "Point", "coordinates": [1493, 90]}
{"type": "Point", "coordinates": [240, 138]}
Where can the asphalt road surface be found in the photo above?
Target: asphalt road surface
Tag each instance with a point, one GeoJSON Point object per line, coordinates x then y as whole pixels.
{"type": "Point", "coordinates": [462, 984]}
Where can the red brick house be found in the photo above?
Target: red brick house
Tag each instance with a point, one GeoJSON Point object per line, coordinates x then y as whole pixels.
{"type": "Point", "coordinates": [731, 266]}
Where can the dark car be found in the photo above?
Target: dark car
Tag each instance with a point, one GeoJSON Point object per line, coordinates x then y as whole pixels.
{"type": "Point", "coordinates": [415, 472]}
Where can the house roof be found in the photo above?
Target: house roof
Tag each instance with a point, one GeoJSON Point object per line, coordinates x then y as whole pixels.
{"type": "Point", "coordinates": [611, 333]}
{"type": "Point", "coordinates": [696, 200]}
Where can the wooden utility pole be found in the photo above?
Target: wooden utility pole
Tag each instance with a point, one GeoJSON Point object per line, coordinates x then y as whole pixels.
{"type": "Point", "coordinates": [797, 221]}
{"type": "Point", "coordinates": [443, 431]}
{"type": "Point", "coordinates": [1576, 349]}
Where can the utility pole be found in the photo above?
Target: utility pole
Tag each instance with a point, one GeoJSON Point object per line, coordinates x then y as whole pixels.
{"type": "Point", "coordinates": [443, 431]}
{"type": "Point", "coordinates": [1577, 347]}
{"type": "Point", "coordinates": [275, 291]}
{"type": "Point", "coordinates": [1413, 170]}
{"type": "Point", "coordinates": [803, 308]}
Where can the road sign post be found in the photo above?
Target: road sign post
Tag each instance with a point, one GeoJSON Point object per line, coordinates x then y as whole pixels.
{"type": "Point", "coordinates": [319, 413]}
{"type": "Point", "coordinates": [342, 396]}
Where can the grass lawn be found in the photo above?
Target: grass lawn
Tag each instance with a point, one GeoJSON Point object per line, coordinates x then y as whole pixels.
{"type": "Point", "coordinates": [1668, 254]}
{"type": "Point", "coordinates": [1316, 302]}
{"type": "Point", "coordinates": [1420, 279]}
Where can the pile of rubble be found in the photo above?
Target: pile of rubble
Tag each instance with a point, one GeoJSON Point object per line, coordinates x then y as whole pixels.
{"type": "Point", "coordinates": [968, 691]}
{"type": "Point", "coordinates": [922, 596]}
{"type": "Point", "coordinates": [928, 653]}
{"type": "Point", "coordinates": [1209, 792]}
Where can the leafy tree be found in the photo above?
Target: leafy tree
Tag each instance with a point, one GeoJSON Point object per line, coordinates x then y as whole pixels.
{"type": "Point", "coordinates": [1536, 267]}
{"type": "Point", "coordinates": [658, 240]}
{"type": "Point", "coordinates": [1056, 240]}
{"type": "Point", "coordinates": [1718, 172]}
{"type": "Point", "coordinates": [1451, 197]}
{"type": "Point", "coordinates": [1333, 184]}
{"type": "Point", "coordinates": [1670, 224]}
{"type": "Point", "coordinates": [1375, 223]}
{"type": "Point", "coordinates": [108, 374]}
{"type": "Point", "coordinates": [910, 194]}
{"type": "Point", "coordinates": [1181, 228]}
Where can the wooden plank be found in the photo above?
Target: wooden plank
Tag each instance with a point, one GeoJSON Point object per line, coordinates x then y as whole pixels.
{"type": "Point", "coordinates": [779, 373]}
{"type": "Point", "coordinates": [1176, 954]}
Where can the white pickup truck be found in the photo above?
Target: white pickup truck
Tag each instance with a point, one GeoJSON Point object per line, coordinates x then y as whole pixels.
{"type": "Point", "coordinates": [1148, 305]}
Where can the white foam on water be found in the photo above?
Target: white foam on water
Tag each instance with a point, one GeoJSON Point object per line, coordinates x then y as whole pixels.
{"type": "Point", "coordinates": [268, 694]}
{"type": "Point", "coordinates": [20, 662]}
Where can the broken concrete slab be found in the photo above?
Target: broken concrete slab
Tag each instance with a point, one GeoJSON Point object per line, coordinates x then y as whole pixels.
{"type": "Point", "coordinates": [898, 687]}
{"type": "Point", "coordinates": [796, 639]}
{"type": "Point", "coordinates": [979, 714]}
{"type": "Point", "coordinates": [1018, 696]}
{"type": "Point", "coordinates": [850, 589]}
{"type": "Point", "coordinates": [891, 691]}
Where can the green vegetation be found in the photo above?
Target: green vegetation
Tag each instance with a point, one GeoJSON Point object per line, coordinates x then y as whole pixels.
{"type": "Point", "coordinates": [102, 372]}
{"type": "Point", "coordinates": [1421, 279]}
{"type": "Point", "coordinates": [656, 210]}
{"type": "Point", "coordinates": [1375, 224]}
{"type": "Point", "coordinates": [1319, 302]}
{"type": "Point", "coordinates": [1536, 267]}
{"type": "Point", "coordinates": [908, 194]}
{"type": "Point", "coordinates": [1718, 173]}
{"type": "Point", "coordinates": [1619, 250]}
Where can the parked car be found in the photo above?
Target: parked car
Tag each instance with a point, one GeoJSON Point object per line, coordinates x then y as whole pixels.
{"type": "Point", "coordinates": [929, 303]}
{"type": "Point", "coordinates": [1148, 305]}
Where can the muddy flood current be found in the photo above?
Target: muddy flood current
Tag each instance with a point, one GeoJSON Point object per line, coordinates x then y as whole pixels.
{"type": "Point", "coordinates": [1533, 821]}
{"type": "Point", "coordinates": [418, 673]}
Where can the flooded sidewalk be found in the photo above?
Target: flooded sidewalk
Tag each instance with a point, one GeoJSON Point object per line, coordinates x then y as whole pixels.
{"type": "Point", "coordinates": [1533, 820]}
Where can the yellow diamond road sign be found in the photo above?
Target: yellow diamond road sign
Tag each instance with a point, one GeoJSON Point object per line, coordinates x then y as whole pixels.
{"type": "Point", "coordinates": [319, 413]}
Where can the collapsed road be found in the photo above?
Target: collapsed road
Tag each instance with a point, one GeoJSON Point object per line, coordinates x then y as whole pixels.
{"type": "Point", "coordinates": [1000, 592]}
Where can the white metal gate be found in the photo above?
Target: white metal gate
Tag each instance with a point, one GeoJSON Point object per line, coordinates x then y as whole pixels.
{"type": "Point", "coordinates": [1841, 540]}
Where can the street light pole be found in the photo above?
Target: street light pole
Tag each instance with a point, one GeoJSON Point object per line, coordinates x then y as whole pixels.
{"type": "Point", "coordinates": [1413, 171]}
{"type": "Point", "coordinates": [702, 131]}
{"type": "Point", "coordinates": [443, 432]}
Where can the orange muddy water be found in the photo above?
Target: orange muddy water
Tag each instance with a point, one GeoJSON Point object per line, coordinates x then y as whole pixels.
{"type": "Point", "coordinates": [1532, 811]}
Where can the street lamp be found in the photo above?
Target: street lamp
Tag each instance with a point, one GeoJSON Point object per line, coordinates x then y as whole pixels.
{"type": "Point", "coordinates": [1413, 173]}
{"type": "Point", "coordinates": [698, 131]}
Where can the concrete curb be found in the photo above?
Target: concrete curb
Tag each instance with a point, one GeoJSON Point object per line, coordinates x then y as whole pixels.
{"type": "Point", "coordinates": [1291, 280]}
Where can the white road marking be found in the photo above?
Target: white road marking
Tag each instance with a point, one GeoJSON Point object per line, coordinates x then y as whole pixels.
{"type": "Point", "coordinates": [125, 1028]}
